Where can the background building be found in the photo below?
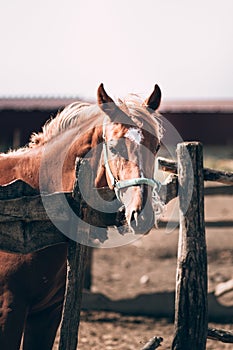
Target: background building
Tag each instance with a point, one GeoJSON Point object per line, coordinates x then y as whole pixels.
{"type": "Point", "coordinates": [209, 122]}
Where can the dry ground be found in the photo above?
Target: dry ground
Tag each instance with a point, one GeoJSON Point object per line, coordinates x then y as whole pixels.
{"type": "Point", "coordinates": [148, 266]}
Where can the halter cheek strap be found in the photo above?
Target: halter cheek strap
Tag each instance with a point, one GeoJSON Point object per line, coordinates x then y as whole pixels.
{"type": "Point", "coordinates": [120, 184]}
{"type": "Point", "coordinates": [106, 164]}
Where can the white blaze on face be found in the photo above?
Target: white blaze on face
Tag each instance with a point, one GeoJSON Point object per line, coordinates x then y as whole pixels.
{"type": "Point", "coordinates": [135, 135]}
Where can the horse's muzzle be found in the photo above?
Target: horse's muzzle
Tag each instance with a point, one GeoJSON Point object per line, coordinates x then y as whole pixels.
{"type": "Point", "coordinates": [140, 223]}
{"type": "Point", "coordinates": [138, 219]}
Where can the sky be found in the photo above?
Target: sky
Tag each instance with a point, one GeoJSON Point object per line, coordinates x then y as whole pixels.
{"type": "Point", "coordinates": [67, 48]}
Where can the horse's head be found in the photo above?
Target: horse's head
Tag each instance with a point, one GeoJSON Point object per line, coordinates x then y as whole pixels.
{"type": "Point", "coordinates": [120, 141]}
{"type": "Point", "coordinates": [131, 136]}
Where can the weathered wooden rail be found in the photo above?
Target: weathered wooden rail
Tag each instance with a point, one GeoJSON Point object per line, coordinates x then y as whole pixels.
{"type": "Point", "coordinates": [26, 227]}
{"type": "Point", "coordinates": [224, 177]}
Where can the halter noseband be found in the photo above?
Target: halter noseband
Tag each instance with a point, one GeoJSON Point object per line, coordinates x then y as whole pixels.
{"type": "Point", "coordinates": [120, 184]}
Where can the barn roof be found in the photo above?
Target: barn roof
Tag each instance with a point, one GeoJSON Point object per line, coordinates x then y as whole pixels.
{"type": "Point", "coordinates": [225, 106]}
{"type": "Point", "coordinates": [208, 106]}
{"type": "Point", "coordinates": [35, 103]}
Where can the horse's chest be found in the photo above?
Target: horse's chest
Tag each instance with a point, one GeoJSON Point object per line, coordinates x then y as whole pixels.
{"type": "Point", "coordinates": [35, 276]}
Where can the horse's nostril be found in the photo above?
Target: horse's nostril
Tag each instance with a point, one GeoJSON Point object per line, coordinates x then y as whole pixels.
{"type": "Point", "coordinates": [138, 221]}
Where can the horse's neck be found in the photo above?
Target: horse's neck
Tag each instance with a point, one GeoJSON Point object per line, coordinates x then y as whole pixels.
{"type": "Point", "coordinates": [18, 165]}
{"type": "Point", "coordinates": [50, 167]}
{"type": "Point", "coordinates": [7, 169]}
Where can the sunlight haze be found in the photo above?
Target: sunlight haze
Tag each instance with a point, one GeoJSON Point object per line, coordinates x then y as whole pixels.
{"type": "Point", "coordinates": [67, 48]}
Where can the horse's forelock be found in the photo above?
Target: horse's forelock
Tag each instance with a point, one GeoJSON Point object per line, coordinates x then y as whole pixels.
{"type": "Point", "coordinates": [133, 106]}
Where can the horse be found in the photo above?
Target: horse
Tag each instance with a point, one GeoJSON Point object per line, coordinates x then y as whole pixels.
{"type": "Point", "coordinates": [32, 286]}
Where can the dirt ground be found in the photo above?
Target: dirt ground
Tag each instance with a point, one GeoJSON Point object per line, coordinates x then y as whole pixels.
{"type": "Point", "coordinates": [148, 266]}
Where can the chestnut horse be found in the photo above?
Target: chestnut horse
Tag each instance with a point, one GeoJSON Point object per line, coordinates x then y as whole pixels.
{"type": "Point", "coordinates": [32, 286]}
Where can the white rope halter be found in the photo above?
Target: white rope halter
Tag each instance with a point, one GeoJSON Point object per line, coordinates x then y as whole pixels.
{"type": "Point", "coordinates": [120, 184]}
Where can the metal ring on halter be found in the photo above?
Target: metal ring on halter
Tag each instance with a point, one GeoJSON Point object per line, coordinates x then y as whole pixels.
{"type": "Point", "coordinates": [120, 184]}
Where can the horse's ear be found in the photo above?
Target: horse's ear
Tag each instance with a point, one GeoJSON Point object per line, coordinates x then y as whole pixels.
{"type": "Point", "coordinates": [102, 95]}
{"type": "Point", "coordinates": [153, 101]}
{"type": "Point", "coordinates": [105, 102]}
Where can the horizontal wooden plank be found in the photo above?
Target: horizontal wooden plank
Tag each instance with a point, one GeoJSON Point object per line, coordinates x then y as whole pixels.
{"type": "Point", "coordinates": [25, 225]}
{"type": "Point", "coordinates": [32, 208]}
{"type": "Point", "coordinates": [169, 189]}
{"type": "Point", "coordinates": [219, 190]}
{"type": "Point", "coordinates": [29, 209]}
{"type": "Point", "coordinates": [21, 237]}
{"type": "Point", "coordinates": [209, 224]}
{"type": "Point", "coordinates": [225, 177]}
{"type": "Point", "coordinates": [15, 189]}
{"type": "Point", "coordinates": [167, 165]}
{"type": "Point", "coordinates": [220, 335]}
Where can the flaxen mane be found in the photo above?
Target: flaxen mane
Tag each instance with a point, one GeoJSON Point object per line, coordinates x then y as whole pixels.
{"type": "Point", "coordinates": [64, 120]}
{"type": "Point", "coordinates": [69, 117]}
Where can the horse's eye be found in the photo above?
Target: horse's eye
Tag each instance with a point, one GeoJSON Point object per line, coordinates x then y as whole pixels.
{"type": "Point", "coordinates": [113, 150]}
{"type": "Point", "coordinates": [118, 147]}
{"type": "Point", "coordinates": [157, 148]}
{"type": "Point", "coordinates": [112, 145]}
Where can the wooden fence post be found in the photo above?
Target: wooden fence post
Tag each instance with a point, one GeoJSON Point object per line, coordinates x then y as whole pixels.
{"type": "Point", "coordinates": [88, 269]}
{"type": "Point", "coordinates": [71, 315]}
{"type": "Point", "coordinates": [77, 256]}
{"type": "Point", "coordinates": [191, 313]}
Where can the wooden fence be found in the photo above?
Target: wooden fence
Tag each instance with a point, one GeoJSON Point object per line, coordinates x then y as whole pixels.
{"type": "Point", "coordinates": [191, 309]}
{"type": "Point", "coordinates": [25, 227]}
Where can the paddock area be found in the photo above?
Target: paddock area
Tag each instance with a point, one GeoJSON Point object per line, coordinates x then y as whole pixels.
{"type": "Point", "coordinates": [149, 266]}
{"type": "Point", "coordinates": [141, 277]}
